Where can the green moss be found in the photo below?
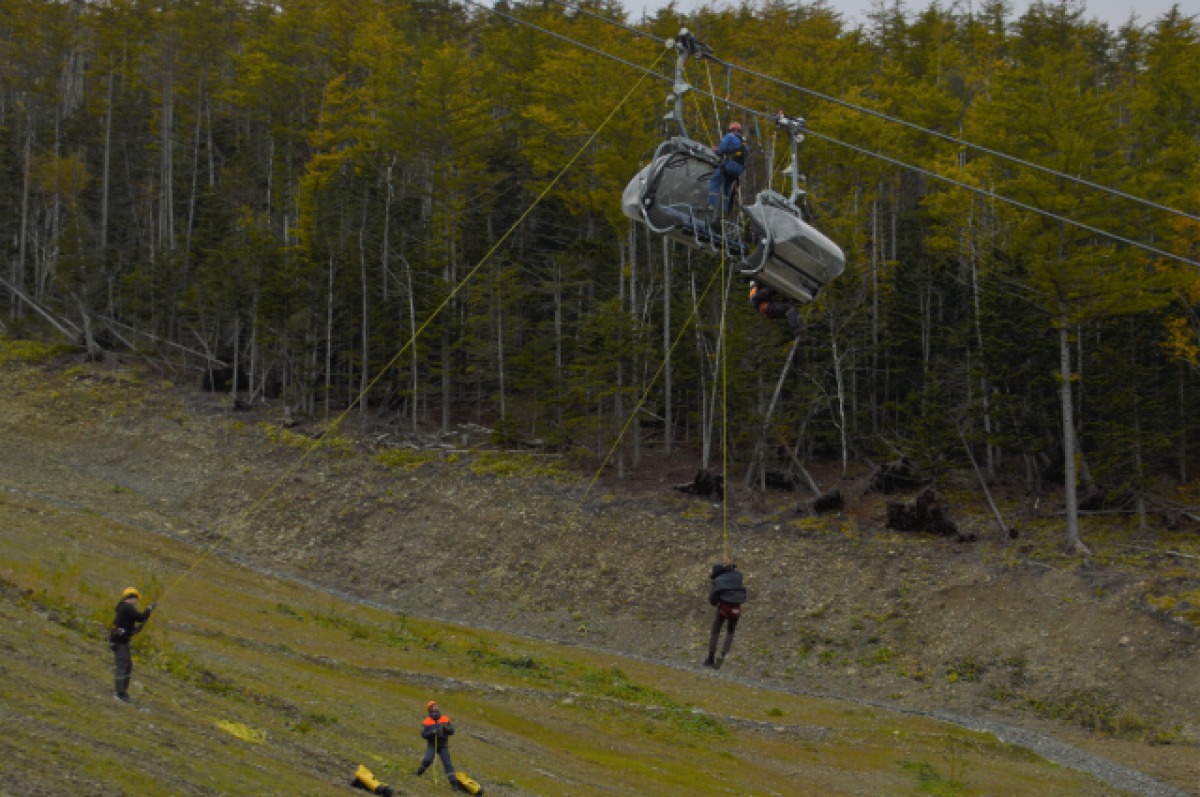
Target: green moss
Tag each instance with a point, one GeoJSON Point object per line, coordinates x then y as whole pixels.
{"type": "Point", "coordinates": [31, 352]}
{"type": "Point", "coordinates": [506, 465]}
{"type": "Point", "coordinates": [406, 458]}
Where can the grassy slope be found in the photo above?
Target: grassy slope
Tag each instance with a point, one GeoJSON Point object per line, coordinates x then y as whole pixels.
{"type": "Point", "coordinates": [332, 685]}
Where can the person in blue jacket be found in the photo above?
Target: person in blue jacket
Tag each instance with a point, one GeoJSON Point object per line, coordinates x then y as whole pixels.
{"type": "Point", "coordinates": [732, 150]}
{"type": "Point", "coordinates": [728, 593]}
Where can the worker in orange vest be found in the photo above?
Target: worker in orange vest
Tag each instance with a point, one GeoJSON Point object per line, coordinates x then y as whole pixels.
{"type": "Point", "coordinates": [436, 730]}
{"type": "Point", "coordinates": [770, 303]}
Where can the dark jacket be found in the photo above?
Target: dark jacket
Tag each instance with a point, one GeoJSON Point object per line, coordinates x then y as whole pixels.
{"type": "Point", "coordinates": [727, 586]}
{"type": "Point", "coordinates": [437, 731]}
{"type": "Point", "coordinates": [763, 294]}
{"type": "Point", "coordinates": [127, 623]}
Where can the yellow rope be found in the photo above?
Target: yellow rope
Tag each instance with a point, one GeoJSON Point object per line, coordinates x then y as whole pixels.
{"type": "Point", "coordinates": [724, 366]}
{"type": "Point", "coordinates": [713, 95]}
{"type": "Point", "coordinates": [316, 443]}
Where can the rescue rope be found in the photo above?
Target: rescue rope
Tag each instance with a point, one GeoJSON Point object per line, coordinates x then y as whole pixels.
{"type": "Point", "coordinates": [724, 366]}
{"type": "Point", "coordinates": [713, 95]}
{"type": "Point", "coordinates": [318, 441]}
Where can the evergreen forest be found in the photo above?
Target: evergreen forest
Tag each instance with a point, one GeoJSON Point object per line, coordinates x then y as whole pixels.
{"type": "Point", "coordinates": [273, 198]}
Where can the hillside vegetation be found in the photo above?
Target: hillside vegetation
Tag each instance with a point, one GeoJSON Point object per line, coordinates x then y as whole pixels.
{"type": "Point", "coordinates": [838, 606]}
{"type": "Point", "coordinates": [277, 196]}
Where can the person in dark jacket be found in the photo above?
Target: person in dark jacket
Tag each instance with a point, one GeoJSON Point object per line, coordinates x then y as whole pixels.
{"type": "Point", "coordinates": [728, 593]}
{"type": "Point", "coordinates": [436, 730]}
{"type": "Point", "coordinates": [732, 150]}
{"type": "Point", "coordinates": [770, 303]}
{"type": "Point", "coordinates": [128, 622]}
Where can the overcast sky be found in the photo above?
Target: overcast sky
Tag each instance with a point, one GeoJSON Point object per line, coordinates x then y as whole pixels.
{"type": "Point", "coordinates": [1114, 12]}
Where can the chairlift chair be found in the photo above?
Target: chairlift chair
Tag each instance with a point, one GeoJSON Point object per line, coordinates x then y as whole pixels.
{"type": "Point", "coordinates": [670, 196]}
{"type": "Point", "coordinates": [789, 254]}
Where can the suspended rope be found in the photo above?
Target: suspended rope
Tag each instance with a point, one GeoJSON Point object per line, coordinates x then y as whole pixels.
{"type": "Point", "coordinates": [620, 436]}
{"type": "Point", "coordinates": [317, 443]}
{"type": "Point", "coordinates": [703, 120]}
{"type": "Point", "coordinates": [711, 93]}
{"type": "Point", "coordinates": [724, 366]}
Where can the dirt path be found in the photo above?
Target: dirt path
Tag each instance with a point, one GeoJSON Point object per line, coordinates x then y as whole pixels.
{"type": "Point", "coordinates": [1049, 748]}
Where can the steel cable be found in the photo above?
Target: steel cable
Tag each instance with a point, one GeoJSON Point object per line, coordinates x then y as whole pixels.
{"type": "Point", "coordinates": [895, 120]}
{"type": "Point", "coordinates": [860, 150]}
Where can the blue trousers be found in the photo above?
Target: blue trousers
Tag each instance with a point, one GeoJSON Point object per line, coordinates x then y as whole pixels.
{"type": "Point", "coordinates": [722, 183]}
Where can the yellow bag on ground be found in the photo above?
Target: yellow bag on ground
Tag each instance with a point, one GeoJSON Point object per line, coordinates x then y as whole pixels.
{"type": "Point", "coordinates": [468, 785]}
{"type": "Point", "coordinates": [363, 779]}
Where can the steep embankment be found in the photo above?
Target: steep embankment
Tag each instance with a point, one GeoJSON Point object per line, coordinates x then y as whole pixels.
{"type": "Point", "coordinates": [837, 605]}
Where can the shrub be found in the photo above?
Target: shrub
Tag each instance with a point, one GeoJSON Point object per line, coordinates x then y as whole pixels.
{"type": "Point", "coordinates": [406, 458]}
{"type": "Point", "coordinates": [29, 351]}
{"type": "Point", "coordinates": [504, 465]}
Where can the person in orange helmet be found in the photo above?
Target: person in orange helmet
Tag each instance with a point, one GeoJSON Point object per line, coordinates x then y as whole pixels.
{"type": "Point", "coordinates": [732, 150]}
{"type": "Point", "coordinates": [771, 303]}
{"type": "Point", "coordinates": [436, 730]}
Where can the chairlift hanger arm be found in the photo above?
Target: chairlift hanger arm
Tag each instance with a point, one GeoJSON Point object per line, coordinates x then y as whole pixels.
{"type": "Point", "coordinates": [861, 151]}
{"type": "Point", "coordinates": [895, 120]}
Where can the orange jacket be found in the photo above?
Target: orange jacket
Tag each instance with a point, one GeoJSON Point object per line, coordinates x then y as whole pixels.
{"type": "Point", "coordinates": [439, 729]}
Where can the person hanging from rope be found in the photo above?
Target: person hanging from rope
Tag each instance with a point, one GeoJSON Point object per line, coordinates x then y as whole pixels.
{"type": "Point", "coordinates": [771, 303]}
{"type": "Point", "coordinates": [732, 150]}
{"type": "Point", "coordinates": [728, 593]}
{"type": "Point", "coordinates": [436, 730]}
{"type": "Point", "coordinates": [127, 623]}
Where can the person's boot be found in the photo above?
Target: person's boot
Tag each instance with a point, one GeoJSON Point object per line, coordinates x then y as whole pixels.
{"type": "Point", "coordinates": [799, 331]}
{"type": "Point", "coordinates": [124, 698]}
{"type": "Point", "coordinates": [725, 650]}
{"type": "Point", "coordinates": [420, 771]}
{"type": "Point", "coordinates": [710, 663]}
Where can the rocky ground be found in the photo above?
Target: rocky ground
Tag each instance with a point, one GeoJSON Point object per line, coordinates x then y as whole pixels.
{"type": "Point", "coordinates": [1097, 653]}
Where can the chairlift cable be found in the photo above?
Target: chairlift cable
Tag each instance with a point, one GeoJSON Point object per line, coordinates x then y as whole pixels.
{"type": "Point", "coordinates": [895, 120]}
{"type": "Point", "coordinates": [868, 153]}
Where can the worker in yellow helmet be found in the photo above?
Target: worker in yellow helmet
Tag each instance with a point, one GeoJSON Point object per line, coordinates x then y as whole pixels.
{"type": "Point", "coordinates": [128, 622]}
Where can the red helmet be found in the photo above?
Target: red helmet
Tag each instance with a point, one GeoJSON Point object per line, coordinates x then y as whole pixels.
{"type": "Point", "coordinates": [735, 126]}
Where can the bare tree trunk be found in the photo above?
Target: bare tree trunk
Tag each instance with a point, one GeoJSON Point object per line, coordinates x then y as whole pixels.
{"type": "Point", "coordinates": [876, 256]}
{"type": "Point", "coordinates": [668, 420]}
{"type": "Point", "coordinates": [253, 345]}
{"type": "Point", "coordinates": [166, 124]}
{"type": "Point", "coordinates": [195, 173]}
{"type": "Point", "coordinates": [760, 444]}
{"type": "Point", "coordinates": [1001, 525]}
{"type": "Point", "coordinates": [1074, 541]}
{"type": "Point", "coordinates": [983, 381]}
{"type": "Point", "coordinates": [17, 294]}
{"type": "Point", "coordinates": [18, 277]}
{"type": "Point", "coordinates": [412, 327]}
{"type": "Point", "coordinates": [500, 353]}
{"type": "Point", "coordinates": [237, 354]}
{"type": "Point", "coordinates": [841, 394]}
{"type": "Point", "coordinates": [620, 402]}
{"type": "Point", "coordinates": [107, 158]}
{"type": "Point", "coordinates": [328, 340]}
{"type": "Point", "coordinates": [364, 382]}
{"type": "Point", "coordinates": [558, 358]}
